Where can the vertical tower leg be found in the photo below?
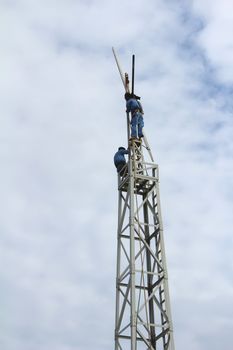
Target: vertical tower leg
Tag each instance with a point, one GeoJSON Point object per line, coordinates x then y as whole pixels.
{"type": "Point", "coordinates": [132, 258]}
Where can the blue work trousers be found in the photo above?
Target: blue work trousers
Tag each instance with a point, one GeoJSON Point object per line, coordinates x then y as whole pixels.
{"type": "Point", "coordinates": [137, 124]}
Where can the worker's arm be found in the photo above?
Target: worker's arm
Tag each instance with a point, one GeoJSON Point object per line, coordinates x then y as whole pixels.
{"type": "Point", "coordinates": [124, 151]}
{"type": "Point", "coordinates": [128, 106]}
{"type": "Point", "coordinates": [140, 107]}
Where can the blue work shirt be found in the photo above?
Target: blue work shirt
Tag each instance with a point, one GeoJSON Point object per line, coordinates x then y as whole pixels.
{"type": "Point", "coordinates": [132, 104]}
{"type": "Point", "coordinates": [120, 156]}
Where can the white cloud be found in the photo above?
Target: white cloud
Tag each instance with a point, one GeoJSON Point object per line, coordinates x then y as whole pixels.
{"type": "Point", "coordinates": [62, 118]}
{"type": "Point", "coordinates": [215, 38]}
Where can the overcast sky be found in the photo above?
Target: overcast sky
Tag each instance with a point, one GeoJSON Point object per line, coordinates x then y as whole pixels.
{"type": "Point", "coordinates": [62, 118]}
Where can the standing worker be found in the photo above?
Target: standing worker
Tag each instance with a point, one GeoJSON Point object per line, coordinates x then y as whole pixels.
{"type": "Point", "coordinates": [119, 159]}
{"type": "Point", "coordinates": [135, 107]}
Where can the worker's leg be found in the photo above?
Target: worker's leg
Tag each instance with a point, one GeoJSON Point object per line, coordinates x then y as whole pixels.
{"type": "Point", "coordinates": [140, 125]}
{"type": "Point", "coordinates": [134, 122]}
{"type": "Point", "coordinates": [120, 169]}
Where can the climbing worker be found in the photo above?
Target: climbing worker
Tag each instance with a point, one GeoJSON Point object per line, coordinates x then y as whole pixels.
{"type": "Point", "coordinates": [135, 107]}
{"type": "Point", "coordinates": [119, 159]}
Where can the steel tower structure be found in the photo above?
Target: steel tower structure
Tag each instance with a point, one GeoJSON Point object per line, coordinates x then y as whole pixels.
{"type": "Point", "coordinates": [143, 315]}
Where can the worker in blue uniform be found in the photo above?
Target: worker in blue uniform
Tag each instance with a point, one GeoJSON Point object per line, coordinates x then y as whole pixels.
{"type": "Point", "coordinates": [135, 107]}
{"type": "Point", "coordinates": [119, 159]}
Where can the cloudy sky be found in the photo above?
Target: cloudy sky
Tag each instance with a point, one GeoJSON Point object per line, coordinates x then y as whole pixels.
{"type": "Point", "coordinates": [63, 116]}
